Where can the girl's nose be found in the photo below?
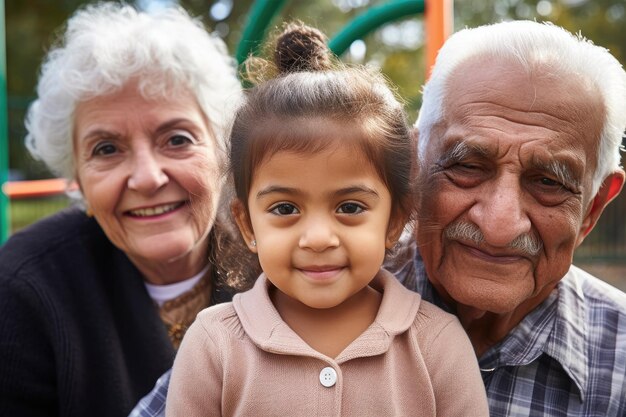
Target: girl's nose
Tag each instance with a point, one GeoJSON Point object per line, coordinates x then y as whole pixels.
{"type": "Point", "coordinates": [318, 234]}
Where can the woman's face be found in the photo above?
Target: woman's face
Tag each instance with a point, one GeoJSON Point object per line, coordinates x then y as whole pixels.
{"type": "Point", "coordinates": [149, 172]}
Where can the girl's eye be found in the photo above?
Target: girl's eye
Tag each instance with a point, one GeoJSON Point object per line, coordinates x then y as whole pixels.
{"type": "Point", "coordinates": [284, 209]}
{"type": "Point", "coordinates": [350, 208]}
{"type": "Point", "coordinates": [179, 140]}
{"type": "Point", "coordinates": [104, 149]}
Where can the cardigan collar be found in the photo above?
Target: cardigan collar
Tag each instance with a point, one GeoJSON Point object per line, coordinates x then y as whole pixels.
{"type": "Point", "coordinates": [269, 332]}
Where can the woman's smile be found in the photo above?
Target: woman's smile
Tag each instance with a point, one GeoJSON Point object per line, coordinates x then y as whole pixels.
{"type": "Point", "coordinates": [154, 211]}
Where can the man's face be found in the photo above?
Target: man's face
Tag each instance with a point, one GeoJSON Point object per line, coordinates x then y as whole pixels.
{"type": "Point", "coordinates": [506, 180]}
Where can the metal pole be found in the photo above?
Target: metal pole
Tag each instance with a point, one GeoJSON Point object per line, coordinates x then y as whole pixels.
{"type": "Point", "coordinates": [5, 216]}
{"type": "Point", "coordinates": [372, 19]}
{"type": "Point", "coordinates": [439, 18]}
{"type": "Point", "coordinates": [259, 17]}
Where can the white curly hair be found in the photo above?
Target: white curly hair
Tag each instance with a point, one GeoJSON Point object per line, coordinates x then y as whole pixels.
{"type": "Point", "coordinates": [105, 46]}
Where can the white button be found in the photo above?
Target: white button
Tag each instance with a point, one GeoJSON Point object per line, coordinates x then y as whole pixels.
{"type": "Point", "coordinates": [328, 377]}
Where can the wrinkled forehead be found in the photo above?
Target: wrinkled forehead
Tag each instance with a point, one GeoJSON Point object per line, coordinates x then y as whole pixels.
{"type": "Point", "coordinates": [495, 98]}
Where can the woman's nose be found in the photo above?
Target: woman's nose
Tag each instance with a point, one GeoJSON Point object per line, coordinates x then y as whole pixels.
{"type": "Point", "coordinates": [318, 234]}
{"type": "Point", "coordinates": [147, 174]}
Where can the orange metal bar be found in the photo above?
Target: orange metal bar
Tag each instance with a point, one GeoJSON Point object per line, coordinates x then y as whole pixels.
{"type": "Point", "coordinates": [37, 188]}
{"type": "Point", "coordinates": [439, 20]}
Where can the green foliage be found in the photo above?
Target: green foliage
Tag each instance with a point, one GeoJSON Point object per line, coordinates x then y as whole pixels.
{"type": "Point", "coordinates": [25, 212]}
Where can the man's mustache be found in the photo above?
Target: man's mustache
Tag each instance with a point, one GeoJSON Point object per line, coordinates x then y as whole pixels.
{"type": "Point", "coordinates": [526, 244]}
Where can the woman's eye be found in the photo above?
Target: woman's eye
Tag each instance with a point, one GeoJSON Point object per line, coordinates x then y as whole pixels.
{"type": "Point", "coordinates": [179, 140]}
{"type": "Point", "coordinates": [284, 209]}
{"type": "Point", "coordinates": [104, 149]}
{"type": "Point", "coordinates": [350, 208]}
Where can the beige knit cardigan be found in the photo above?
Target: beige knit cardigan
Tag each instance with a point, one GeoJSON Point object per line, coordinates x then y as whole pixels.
{"type": "Point", "coordinates": [241, 359]}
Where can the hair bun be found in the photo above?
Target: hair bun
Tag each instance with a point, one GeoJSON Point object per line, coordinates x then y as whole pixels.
{"type": "Point", "coordinates": [301, 48]}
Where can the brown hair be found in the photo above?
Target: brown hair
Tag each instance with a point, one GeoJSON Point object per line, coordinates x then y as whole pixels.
{"type": "Point", "coordinates": [312, 85]}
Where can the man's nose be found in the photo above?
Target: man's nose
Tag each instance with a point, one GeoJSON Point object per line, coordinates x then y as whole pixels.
{"type": "Point", "coordinates": [146, 174]}
{"type": "Point", "coordinates": [318, 234]}
{"type": "Point", "coordinates": [500, 212]}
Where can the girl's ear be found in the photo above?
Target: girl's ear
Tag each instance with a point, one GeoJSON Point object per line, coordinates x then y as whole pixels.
{"type": "Point", "coordinates": [394, 230]}
{"type": "Point", "coordinates": [243, 223]}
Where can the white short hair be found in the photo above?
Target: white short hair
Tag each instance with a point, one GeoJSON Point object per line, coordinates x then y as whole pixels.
{"type": "Point", "coordinates": [107, 45]}
{"type": "Point", "coordinates": [529, 44]}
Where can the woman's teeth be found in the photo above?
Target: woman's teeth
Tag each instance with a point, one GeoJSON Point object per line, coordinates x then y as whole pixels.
{"type": "Point", "coordinates": [154, 211]}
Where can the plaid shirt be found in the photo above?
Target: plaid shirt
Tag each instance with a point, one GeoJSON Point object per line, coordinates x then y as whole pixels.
{"type": "Point", "coordinates": [566, 358]}
{"type": "Point", "coordinates": [153, 404]}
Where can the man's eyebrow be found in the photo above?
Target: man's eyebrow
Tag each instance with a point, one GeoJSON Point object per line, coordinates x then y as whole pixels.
{"type": "Point", "coordinates": [561, 170]}
{"type": "Point", "coordinates": [461, 150]}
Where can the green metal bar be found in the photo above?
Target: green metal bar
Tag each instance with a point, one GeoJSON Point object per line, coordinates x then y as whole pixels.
{"type": "Point", "coordinates": [260, 16]}
{"type": "Point", "coordinates": [5, 216]}
{"type": "Point", "coordinates": [372, 19]}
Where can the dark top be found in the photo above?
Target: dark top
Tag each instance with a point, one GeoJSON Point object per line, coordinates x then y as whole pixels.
{"type": "Point", "coordinates": [77, 326]}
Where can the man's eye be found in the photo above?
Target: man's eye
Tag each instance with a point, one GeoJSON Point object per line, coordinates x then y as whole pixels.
{"type": "Point", "coordinates": [179, 140]}
{"type": "Point", "coordinates": [104, 149]}
{"type": "Point", "coordinates": [465, 166]}
{"type": "Point", "coordinates": [284, 209]}
{"type": "Point", "coordinates": [350, 208]}
{"type": "Point", "coordinates": [548, 182]}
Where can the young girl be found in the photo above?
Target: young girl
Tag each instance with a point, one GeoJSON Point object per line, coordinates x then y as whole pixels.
{"type": "Point", "coordinates": [321, 158]}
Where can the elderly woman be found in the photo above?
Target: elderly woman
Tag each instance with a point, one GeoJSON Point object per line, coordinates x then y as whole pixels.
{"type": "Point", "coordinates": [134, 108]}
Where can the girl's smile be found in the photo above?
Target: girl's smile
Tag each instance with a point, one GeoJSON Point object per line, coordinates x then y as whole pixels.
{"type": "Point", "coordinates": [322, 274]}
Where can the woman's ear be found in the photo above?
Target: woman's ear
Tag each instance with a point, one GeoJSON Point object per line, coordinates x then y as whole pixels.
{"type": "Point", "coordinates": [242, 219]}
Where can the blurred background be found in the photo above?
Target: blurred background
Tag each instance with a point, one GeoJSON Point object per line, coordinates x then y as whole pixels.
{"type": "Point", "coordinates": [397, 48]}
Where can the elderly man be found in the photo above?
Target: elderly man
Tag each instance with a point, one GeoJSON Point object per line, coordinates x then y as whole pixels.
{"type": "Point", "coordinates": [519, 137]}
{"type": "Point", "coordinates": [518, 143]}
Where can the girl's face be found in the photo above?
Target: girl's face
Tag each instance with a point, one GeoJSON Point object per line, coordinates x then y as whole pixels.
{"type": "Point", "coordinates": [321, 223]}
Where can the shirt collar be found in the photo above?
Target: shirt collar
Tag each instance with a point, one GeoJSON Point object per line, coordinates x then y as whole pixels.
{"type": "Point", "coordinates": [569, 343]}
{"type": "Point", "coordinates": [556, 327]}
{"type": "Point", "coordinates": [266, 329]}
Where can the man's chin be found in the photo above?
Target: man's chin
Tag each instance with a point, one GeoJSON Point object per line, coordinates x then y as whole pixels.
{"type": "Point", "coordinates": [487, 297]}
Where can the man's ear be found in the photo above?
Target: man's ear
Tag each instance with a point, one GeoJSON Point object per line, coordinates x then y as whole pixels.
{"type": "Point", "coordinates": [610, 188]}
{"type": "Point", "coordinates": [242, 219]}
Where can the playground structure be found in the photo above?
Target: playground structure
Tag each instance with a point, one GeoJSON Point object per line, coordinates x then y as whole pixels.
{"type": "Point", "coordinates": [438, 16]}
